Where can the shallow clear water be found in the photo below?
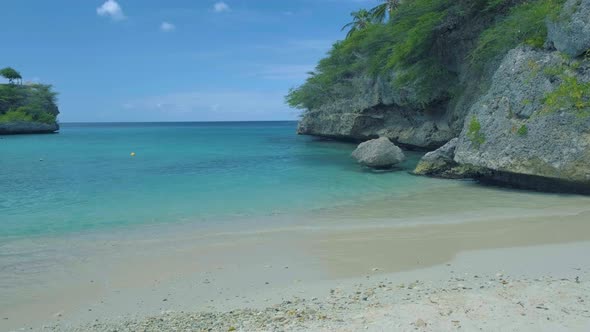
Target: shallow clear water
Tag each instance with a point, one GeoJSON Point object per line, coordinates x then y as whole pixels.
{"type": "Point", "coordinates": [85, 179]}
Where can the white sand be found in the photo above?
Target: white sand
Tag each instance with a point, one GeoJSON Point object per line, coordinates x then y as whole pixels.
{"type": "Point", "coordinates": [539, 289]}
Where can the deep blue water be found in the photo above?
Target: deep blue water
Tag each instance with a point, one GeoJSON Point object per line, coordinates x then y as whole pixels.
{"type": "Point", "coordinates": [84, 178]}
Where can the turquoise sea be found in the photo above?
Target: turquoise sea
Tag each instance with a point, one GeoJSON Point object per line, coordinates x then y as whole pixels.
{"type": "Point", "coordinates": [85, 179]}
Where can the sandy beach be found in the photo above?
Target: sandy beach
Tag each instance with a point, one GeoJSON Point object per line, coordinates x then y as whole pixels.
{"type": "Point", "coordinates": [373, 266]}
{"type": "Point", "coordinates": [543, 300]}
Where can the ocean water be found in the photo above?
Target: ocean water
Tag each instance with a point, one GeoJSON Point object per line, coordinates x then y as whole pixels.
{"type": "Point", "coordinates": [84, 178]}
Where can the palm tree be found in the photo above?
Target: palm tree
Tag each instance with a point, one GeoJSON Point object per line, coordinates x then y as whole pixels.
{"type": "Point", "coordinates": [360, 20]}
{"type": "Point", "coordinates": [384, 11]}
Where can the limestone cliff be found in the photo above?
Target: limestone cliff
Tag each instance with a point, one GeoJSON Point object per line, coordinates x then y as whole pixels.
{"type": "Point", "coordinates": [419, 102]}
{"type": "Point", "coordinates": [532, 127]}
{"type": "Point", "coordinates": [534, 120]}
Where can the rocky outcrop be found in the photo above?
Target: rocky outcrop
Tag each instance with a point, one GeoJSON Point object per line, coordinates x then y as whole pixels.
{"type": "Point", "coordinates": [370, 110]}
{"type": "Point", "coordinates": [378, 153]}
{"type": "Point", "coordinates": [366, 107]}
{"type": "Point", "coordinates": [22, 127]}
{"type": "Point", "coordinates": [441, 164]}
{"type": "Point", "coordinates": [407, 128]}
{"type": "Point", "coordinates": [532, 128]}
{"type": "Point", "coordinates": [438, 162]}
{"type": "Point", "coordinates": [522, 117]}
{"type": "Point", "coordinates": [570, 31]}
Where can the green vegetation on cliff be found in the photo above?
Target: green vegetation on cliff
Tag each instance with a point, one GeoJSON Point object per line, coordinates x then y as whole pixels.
{"type": "Point", "coordinates": [524, 23]}
{"type": "Point", "coordinates": [571, 94]}
{"type": "Point", "coordinates": [425, 49]}
{"type": "Point", "coordinates": [28, 103]}
{"type": "Point", "coordinates": [474, 133]}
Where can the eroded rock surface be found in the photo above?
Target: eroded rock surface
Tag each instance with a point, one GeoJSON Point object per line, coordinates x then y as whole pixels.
{"type": "Point", "coordinates": [534, 121]}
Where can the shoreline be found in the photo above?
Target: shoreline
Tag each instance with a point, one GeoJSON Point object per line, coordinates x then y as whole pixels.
{"type": "Point", "coordinates": [145, 274]}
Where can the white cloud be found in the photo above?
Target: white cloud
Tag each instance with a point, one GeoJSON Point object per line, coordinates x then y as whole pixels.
{"type": "Point", "coordinates": [167, 27]}
{"type": "Point", "coordinates": [111, 9]}
{"type": "Point", "coordinates": [220, 7]}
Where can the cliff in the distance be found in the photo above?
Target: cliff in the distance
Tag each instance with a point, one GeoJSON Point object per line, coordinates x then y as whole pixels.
{"type": "Point", "coordinates": [27, 109]}
{"type": "Point", "coordinates": [509, 79]}
{"type": "Point", "coordinates": [27, 127]}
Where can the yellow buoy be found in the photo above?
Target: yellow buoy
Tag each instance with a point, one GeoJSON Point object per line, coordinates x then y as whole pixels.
{"type": "Point", "coordinates": [132, 154]}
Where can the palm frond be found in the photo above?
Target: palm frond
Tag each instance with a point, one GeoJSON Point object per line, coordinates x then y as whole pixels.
{"type": "Point", "coordinates": [379, 13]}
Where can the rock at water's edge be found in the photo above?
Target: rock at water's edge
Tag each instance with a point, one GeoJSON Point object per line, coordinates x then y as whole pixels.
{"type": "Point", "coordinates": [440, 163]}
{"type": "Point", "coordinates": [23, 127]}
{"type": "Point", "coordinates": [437, 162]}
{"type": "Point", "coordinates": [378, 153]}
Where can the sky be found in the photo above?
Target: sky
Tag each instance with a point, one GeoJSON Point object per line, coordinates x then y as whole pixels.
{"type": "Point", "coordinates": [171, 60]}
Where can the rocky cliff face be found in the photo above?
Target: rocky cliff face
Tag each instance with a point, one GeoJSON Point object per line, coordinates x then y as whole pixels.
{"type": "Point", "coordinates": [531, 121]}
{"type": "Point", "coordinates": [532, 127]}
{"type": "Point", "coordinates": [366, 107]}
{"type": "Point", "coordinates": [21, 127]}
{"type": "Point", "coordinates": [407, 128]}
{"type": "Point", "coordinates": [373, 111]}
{"type": "Point", "coordinates": [523, 120]}
{"type": "Point", "coordinates": [570, 31]}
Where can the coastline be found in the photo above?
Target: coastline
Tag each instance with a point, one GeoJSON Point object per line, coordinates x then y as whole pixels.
{"type": "Point", "coordinates": [125, 276]}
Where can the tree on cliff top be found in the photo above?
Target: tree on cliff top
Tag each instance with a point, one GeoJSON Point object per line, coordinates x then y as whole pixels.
{"type": "Point", "coordinates": [10, 74]}
{"type": "Point", "coordinates": [385, 10]}
{"type": "Point", "coordinates": [360, 20]}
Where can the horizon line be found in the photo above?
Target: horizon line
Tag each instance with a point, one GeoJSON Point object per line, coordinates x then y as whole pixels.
{"type": "Point", "coordinates": [196, 121]}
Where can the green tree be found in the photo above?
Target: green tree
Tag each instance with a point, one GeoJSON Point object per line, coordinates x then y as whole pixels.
{"type": "Point", "coordinates": [10, 74]}
{"type": "Point", "coordinates": [360, 20]}
{"type": "Point", "coordinates": [384, 11]}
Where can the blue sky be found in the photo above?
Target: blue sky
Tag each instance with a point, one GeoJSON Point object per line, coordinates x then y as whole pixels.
{"type": "Point", "coordinates": [173, 60]}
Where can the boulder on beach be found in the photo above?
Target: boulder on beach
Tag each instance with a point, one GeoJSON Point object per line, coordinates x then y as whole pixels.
{"type": "Point", "coordinates": [378, 153]}
{"type": "Point", "coordinates": [438, 162]}
{"type": "Point", "coordinates": [441, 164]}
